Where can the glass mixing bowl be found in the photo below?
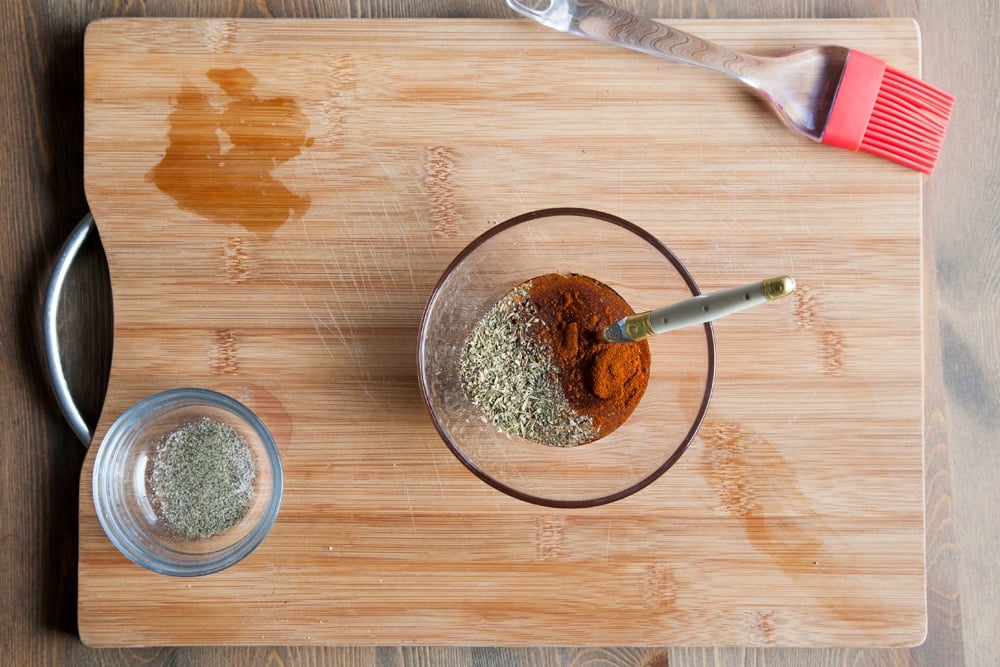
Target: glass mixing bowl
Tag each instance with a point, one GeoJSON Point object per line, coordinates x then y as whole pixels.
{"type": "Point", "coordinates": [647, 275]}
{"type": "Point", "coordinates": [122, 479]}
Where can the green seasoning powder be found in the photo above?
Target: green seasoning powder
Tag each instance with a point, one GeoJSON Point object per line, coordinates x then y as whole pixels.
{"type": "Point", "coordinates": [509, 374]}
{"type": "Point", "coordinates": [202, 479]}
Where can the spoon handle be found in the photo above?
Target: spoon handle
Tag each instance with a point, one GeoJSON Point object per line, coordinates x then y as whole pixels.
{"type": "Point", "coordinates": [697, 310]}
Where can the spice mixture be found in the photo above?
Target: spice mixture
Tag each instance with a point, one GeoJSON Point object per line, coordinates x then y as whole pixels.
{"type": "Point", "coordinates": [537, 368]}
{"type": "Point", "coordinates": [202, 479]}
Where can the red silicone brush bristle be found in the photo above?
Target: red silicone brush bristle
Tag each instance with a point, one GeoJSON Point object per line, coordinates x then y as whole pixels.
{"type": "Point", "coordinates": [908, 122]}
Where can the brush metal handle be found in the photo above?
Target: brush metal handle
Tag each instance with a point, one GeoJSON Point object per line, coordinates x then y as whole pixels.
{"type": "Point", "coordinates": [800, 86]}
{"type": "Point", "coordinates": [600, 21]}
{"type": "Point", "coordinates": [698, 310]}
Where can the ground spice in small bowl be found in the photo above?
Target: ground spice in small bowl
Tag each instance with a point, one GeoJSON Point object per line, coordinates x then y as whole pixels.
{"type": "Point", "coordinates": [536, 367]}
{"type": "Point", "coordinates": [202, 479]}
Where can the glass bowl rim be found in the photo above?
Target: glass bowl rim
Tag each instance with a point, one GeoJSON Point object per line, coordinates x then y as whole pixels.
{"type": "Point", "coordinates": [689, 281]}
{"type": "Point", "coordinates": [112, 447]}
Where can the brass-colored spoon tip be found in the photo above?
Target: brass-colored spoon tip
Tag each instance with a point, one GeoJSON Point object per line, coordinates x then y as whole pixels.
{"type": "Point", "coordinates": [775, 288]}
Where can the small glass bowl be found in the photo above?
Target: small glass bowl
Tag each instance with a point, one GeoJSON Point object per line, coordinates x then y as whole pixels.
{"type": "Point", "coordinates": [647, 275]}
{"type": "Point", "coordinates": [121, 484]}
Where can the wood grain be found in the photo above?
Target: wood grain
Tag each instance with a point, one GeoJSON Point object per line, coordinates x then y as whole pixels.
{"type": "Point", "coordinates": [42, 189]}
{"type": "Point", "coordinates": [964, 242]}
{"type": "Point", "coordinates": [799, 524]}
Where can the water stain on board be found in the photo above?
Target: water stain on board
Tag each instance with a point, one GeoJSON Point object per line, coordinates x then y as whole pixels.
{"type": "Point", "coordinates": [220, 160]}
{"type": "Point", "coordinates": [755, 483]}
{"type": "Point", "coordinates": [266, 405]}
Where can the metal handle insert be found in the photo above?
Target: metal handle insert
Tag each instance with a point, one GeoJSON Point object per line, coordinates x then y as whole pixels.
{"type": "Point", "coordinates": [50, 326]}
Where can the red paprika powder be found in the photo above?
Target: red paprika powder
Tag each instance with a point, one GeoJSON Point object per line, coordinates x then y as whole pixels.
{"type": "Point", "coordinates": [604, 381]}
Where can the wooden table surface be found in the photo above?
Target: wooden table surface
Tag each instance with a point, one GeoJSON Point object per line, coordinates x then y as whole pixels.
{"type": "Point", "coordinates": [42, 189]}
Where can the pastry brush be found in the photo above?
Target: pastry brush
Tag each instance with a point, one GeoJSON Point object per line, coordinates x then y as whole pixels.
{"type": "Point", "coordinates": [830, 94]}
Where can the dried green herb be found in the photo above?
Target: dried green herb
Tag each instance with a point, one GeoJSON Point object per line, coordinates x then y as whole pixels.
{"type": "Point", "coordinates": [202, 479]}
{"type": "Point", "coordinates": [508, 373]}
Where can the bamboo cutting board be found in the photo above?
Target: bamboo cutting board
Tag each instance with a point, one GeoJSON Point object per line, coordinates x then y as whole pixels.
{"type": "Point", "coordinates": [277, 200]}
